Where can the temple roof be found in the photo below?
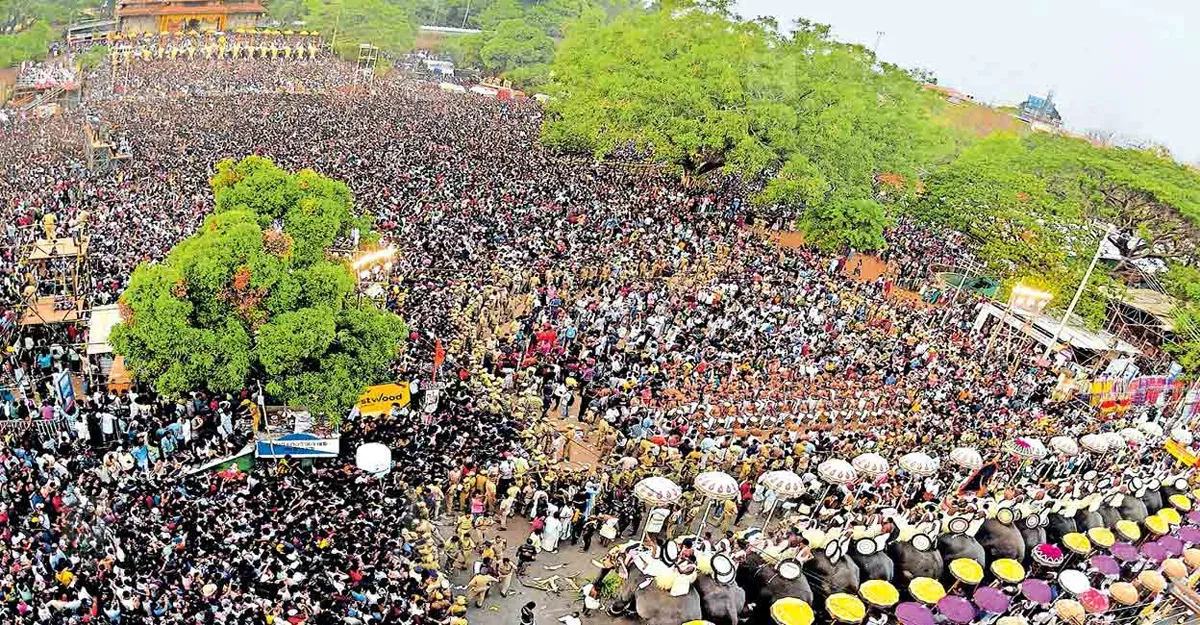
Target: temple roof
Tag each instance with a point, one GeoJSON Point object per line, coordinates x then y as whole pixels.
{"type": "Point", "coordinates": [127, 8]}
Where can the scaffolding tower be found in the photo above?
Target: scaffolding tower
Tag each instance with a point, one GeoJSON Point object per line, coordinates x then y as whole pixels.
{"type": "Point", "coordinates": [364, 71]}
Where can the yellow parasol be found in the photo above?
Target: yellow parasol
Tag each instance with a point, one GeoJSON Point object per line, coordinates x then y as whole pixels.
{"type": "Point", "coordinates": [1151, 580]}
{"type": "Point", "coordinates": [1174, 569]}
{"type": "Point", "coordinates": [1008, 570]}
{"type": "Point", "coordinates": [966, 571]}
{"type": "Point", "coordinates": [1170, 515]}
{"type": "Point", "coordinates": [926, 590]}
{"type": "Point", "coordinates": [879, 593]}
{"type": "Point", "coordinates": [1128, 530]}
{"type": "Point", "coordinates": [791, 611]}
{"type": "Point", "coordinates": [1156, 525]}
{"type": "Point", "coordinates": [1102, 536]}
{"type": "Point", "coordinates": [846, 608]}
{"type": "Point", "coordinates": [1069, 610]}
{"type": "Point", "coordinates": [1123, 593]}
{"type": "Point", "coordinates": [1012, 619]}
{"type": "Point", "coordinates": [1191, 557]}
{"type": "Point", "coordinates": [1077, 543]}
{"type": "Point", "coordinates": [1180, 502]}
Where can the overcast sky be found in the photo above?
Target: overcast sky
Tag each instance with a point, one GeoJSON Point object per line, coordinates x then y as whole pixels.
{"type": "Point", "coordinates": [1127, 66]}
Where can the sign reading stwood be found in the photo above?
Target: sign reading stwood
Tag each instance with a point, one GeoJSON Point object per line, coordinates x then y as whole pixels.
{"type": "Point", "coordinates": [1181, 453]}
{"type": "Point", "coordinates": [379, 398]}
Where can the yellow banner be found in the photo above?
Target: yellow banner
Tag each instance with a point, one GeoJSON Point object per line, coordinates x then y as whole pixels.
{"type": "Point", "coordinates": [378, 399]}
{"type": "Point", "coordinates": [1181, 453]}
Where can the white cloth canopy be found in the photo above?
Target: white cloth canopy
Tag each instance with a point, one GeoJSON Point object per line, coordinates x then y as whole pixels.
{"type": "Point", "coordinates": [871, 464]}
{"type": "Point", "coordinates": [716, 485]}
{"type": "Point", "coordinates": [919, 463]}
{"type": "Point", "coordinates": [836, 471]}
{"type": "Point", "coordinates": [1064, 445]}
{"type": "Point", "coordinates": [657, 490]}
{"type": "Point", "coordinates": [785, 484]}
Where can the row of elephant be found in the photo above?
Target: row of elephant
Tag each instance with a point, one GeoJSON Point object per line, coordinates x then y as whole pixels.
{"type": "Point", "coordinates": [841, 565]}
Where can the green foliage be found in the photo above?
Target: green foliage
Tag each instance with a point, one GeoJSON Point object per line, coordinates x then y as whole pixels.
{"type": "Point", "coordinates": [514, 44]}
{"type": "Point", "coordinates": [27, 45]}
{"type": "Point", "coordinates": [390, 26]}
{"type": "Point", "coordinates": [252, 294]}
{"type": "Point", "coordinates": [845, 224]}
{"type": "Point", "coordinates": [1186, 348]}
{"type": "Point", "coordinates": [93, 57]}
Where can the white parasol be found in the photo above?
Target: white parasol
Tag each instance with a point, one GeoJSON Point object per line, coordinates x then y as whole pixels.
{"type": "Point", "coordinates": [837, 471]}
{"type": "Point", "coordinates": [373, 458]}
{"type": "Point", "coordinates": [919, 463]}
{"type": "Point", "coordinates": [1181, 436]}
{"type": "Point", "coordinates": [871, 464]}
{"type": "Point", "coordinates": [1095, 443]}
{"type": "Point", "coordinates": [657, 491]}
{"type": "Point", "coordinates": [785, 483]}
{"type": "Point", "coordinates": [1152, 430]}
{"type": "Point", "coordinates": [1133, 435]}
{"type": "Point", "coordinates": [716, 485]}
{"type": "Point", "coordinates": [1064, 445]}
{"type": "Point", "coordinates": [1036, 445]}
{"type": "Point", "coordinates": [1116, 442]}
{"type": "Point", "coordinates": [966, 457]}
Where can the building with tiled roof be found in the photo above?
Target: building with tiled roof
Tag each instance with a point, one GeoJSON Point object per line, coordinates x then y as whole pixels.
{"type": "Point", "coordinates": [156, 16]}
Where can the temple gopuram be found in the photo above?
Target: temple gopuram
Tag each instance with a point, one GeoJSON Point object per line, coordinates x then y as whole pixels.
{"type": "Point", "coordinates": [158, 16]}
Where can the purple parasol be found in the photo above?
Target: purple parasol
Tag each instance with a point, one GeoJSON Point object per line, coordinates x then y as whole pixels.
{"type": "Point", "coordinates": [956, 609]}
{"type": "Point", "coordinates": [991, 599]}
{"type": "Point", "coordinates": [1124, 552]}
{"type": "Point", "coordinates": [1190, 535]}
{"type": "Point", "coordinates": [1154, 552]}
{"type": "Point", "coordinates": [911, 613]}
{"type": "Point", "coordinates": [1037, 591]}
{"type": "Point", "coordinates": [1105, 565]}
{"type": "Point", "coordinates": [1193, 517]}
{"type": "Point", "coordinates": [1173, 546]}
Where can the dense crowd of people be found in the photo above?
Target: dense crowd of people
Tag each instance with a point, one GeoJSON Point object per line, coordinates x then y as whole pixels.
{"type": "Point", "coordinates": [680, 335]}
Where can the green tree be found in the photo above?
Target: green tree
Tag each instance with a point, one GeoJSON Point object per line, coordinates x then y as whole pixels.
{"type": "Point", "coordinates": [26, 45]}
{"type": "Point", "coordinates": [515, 44]}
{"type": "Point", "coordinates": [252, 295]}
{"type": "Point", "coordinates": [390, 26]}
{"type": "Point", "coordinates": [846, 224]}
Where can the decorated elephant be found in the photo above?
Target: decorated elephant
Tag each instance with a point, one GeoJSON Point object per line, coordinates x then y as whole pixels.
{"type": "Point", "coordinates": [829, 571]}
{"type": "Point", "coordinates": [1131, 508]}
{"type": "Point", "coordinates": [915, 555]}
{"type": "Point", "coordinates": [1059, 523]}
{"type": "Point", "coordinates": [666, 583]}
{"type": "Point", "coordinates": [1153, 497]}
{"type": "Point", "coordinates": [1033, 532]}
{"type": "Point", "coordinates": [1000, 537]}
{"type": "Point", "coordinates": [767, 580]}
{"type": "Point", "coordinates": [722, 601]}
{"type": "Point", "coordinates": [958, 541]}
{"type": "Point", "coordinates": [870, 554]}
{"type": "Point", "coordinates": [652, 595]}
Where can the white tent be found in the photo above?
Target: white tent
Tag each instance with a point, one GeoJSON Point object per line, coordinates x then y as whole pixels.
{"type": "Point", "coordinates": [100, 327]}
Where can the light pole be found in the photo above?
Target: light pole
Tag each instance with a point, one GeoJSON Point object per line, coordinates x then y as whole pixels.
{"type": "Point", "coordinates": [1078, 293]}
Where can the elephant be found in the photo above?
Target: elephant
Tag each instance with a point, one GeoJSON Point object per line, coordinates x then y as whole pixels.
{"type": "Point", "coordinates": [1001, 540]}
{"type": "Point", "coordinates": [1108, 516]}
{"type": "Point", "coordinates": [1086, 519]}
{"type": "Point", "coordinates": [1133, 509]}
{"type": "Point", "coordinates": [653, 605]}
{"type": "Point", "coordinates": [1059, 525]}
{"type": "Point", "coordinates": [764, 586]}
{"type": "Point", "coordinates": [721, 604]}
{"type": "Point", "coordinates": [955, 546]}
{"type": "Point", "coordinates": [874, 565]}
{"type": "Point", "coordinates": [911, 562]}
{"type": "Point", "coordinates": [830, 576]}
{"type": "Point", "coordinates": [1154, 499]}
{"type": "Point", "coordinates": [1032, 536]}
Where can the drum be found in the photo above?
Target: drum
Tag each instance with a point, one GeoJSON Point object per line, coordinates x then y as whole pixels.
{"type": "Point", "coordinates": [1073, 582]}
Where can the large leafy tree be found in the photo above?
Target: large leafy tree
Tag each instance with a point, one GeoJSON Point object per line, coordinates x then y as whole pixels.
{"type": "Point", "coordinates": [253, 295]}
{"type": "Point", "coordinates": [389, 26]}
{"type": "Point", "coordinates": [514, 44]}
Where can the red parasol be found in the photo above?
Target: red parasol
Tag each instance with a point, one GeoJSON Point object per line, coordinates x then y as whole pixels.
{"type": "Point", "coordinates": [1094, 601]}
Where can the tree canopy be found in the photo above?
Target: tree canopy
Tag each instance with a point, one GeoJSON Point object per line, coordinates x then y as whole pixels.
{"type": "Point", "coordinates": [253, 295]}
{"type": "Point", "coordinates": [387, 25]}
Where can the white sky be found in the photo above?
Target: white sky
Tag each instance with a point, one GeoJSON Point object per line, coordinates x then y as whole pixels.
{"type": "Point", "coordinates": [1127, 66]}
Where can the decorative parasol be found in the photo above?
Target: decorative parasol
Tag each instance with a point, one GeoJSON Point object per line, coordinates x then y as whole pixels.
{"type": "Point", "coordinates": [1171, 516]}
{"type": "Point", "coordinates": [627, 463]}
{"type": "Point", "coordinates": [966, 457]}
{"type": "Point", "coordinates": [956, 609]}
{"type": "Point", "coordinates": [717, 485]}
{"type": "Point", "coordinates": [1105, 565]}
{"type": "Point", "coordinates": [1180, 502]}
{"type": "Point", "coordinates": [845, 608]}
{"type": "Point", "coordinates": [791, 611]}
{"type": "Point", "coordinates": [1156, 525]}
{"type": "Point", "coordinates": [1020, 448]}
{"type": "Point", "coordinates": [1189, 535]}
{"type": "Point", "coordinates": [1172, 545]}
{"type": "Point", "coordinates": [966, 571]}
{"type": "Point", "coordinates": [1012, 619]}
{"type": "Point", "coordinates": [1077, 543]}
{"type": "Point", "coordinates": [919, 464]}
{"type": "Point", "coordinates": [1128, 530]}
{"type": "Point", "coordinates": [1191, 557]}
{"type": "Point", "coordinates": [1132, 435]}
{"type": "Point", "coordinates": [1049, 555]}
{"type": "Point", "coordinates": [1151, 580]}
{"type": "Point", "coordinates": [912, 613]}
{"type": "Point", "coordinates": [879, 593]}
{"type": "Point", "coordinates": [1181, 436]}
{"type": "Point", "coordinates": [1193, 517]}
{"type": "Point", "coordinates": [1151, 429]}
{"type": "Point", "coordinates": [1073, 582]}
{"type": "Point", "coordinates": [657, 491]}
{"type": "Point", "coordinates": [1116, 442]}
{"type": "Point", "coordinates": [1093, 601]}
{"type": "Point", "coordinates": [871, 464]}
{"type": "Point", "coordinates": [1101, 536]}
{"type": "Point", "coordinates": [835, 471]}
{"type": "Point", "coordinates": [1036, 446]}
{"type": "Point", "coordinates": [1008, 570]}
{"type": "Point", "coordinates": [926, 590]}
{"type": "Point", "coordinates": [1153, 553]}
{"type": "Point", "coordinates": [1094, 443]}
{"type": "Point", "coordinates": [1064, 445]}
{"type": "Point", "coordinates": [1124, 552]}
{"type": "Point", "coordinates": [1037, 591]}
{"type": "Point", "coordinates": [785, 484]}
{"type": "Point", "coordinates": [990, 599]}
{"type": "Point", "coordinates": [1123, 593]}
{"type": "Point", "coordinates": [1174, 569]}
{"type": "Point", "coordinates": [1070, 611]}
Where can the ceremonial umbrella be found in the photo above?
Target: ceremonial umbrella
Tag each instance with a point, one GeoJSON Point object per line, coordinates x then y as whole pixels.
{"type": "Point", "coordinates": [1008, 570]}
{"type": "Point", "coordinates": [1151, 580]}
{"type": "Point", "coordinates": [912, 613]}
{"type": "Point", "coordinates": [835, 471]}
{"type": "Point", "coordinates": [990, 599]}
{"type": "Point", "coordinates": [1116, 442]}
{"type": "Point", "coordinates": [1181, 436]}
{"type": "Point", "coordinates": [716, 486]}
{"type": "Point", "coordinates": [1093, 601]}
{"type": "Point", "coordinates": [926, 590]}
{"type": "Point", "coordinates": [1174, 569]}
{"type": "Point", "coordinates": [785, 485]}
{"type": "Point", "coordinates": [879, 593]}
{"type": "Point", "coordinates": [1020, 448]}
{"type": "Point", "coordinates": [1172, 545]}
{"type": "Point", "coordinates": [956, 609]}
{"type": "Point", "coordinates": [657, 490]}
{"type": "Point", "coordinates": [1153, 553]}
{"type": "Point", "coordinates": [870, 464]}
{"type": "Point", "coordinates": [791, 611]}
{"type": "Point", "coordinates": [1101, 536]}
{"type": "Point", "coordinates": [1070, 611]}
{"type": "Point", "coordinates": [1105, 565]}
{"type": "Point", "coordinates": [1124, 552]}
{"type": "Point", "coordinates": [1134, 436]}
{"type": "Point", "coordinates": [966, 457]}
{"type": "Point", "coordinates": [1094, 443]}
{"type": "Point", "coordinates": [1191, 557]}
{"type": "Point", "coordinates": [1037, 591]}
{"type": "Point", "coordinates": [1153, 430]}
{"type": "Point", "coordinates": [919, 464]}
{"type": "Point", "coordinates": [1048, 555]}
{"type": "Point", "coordinates": [1123, 593]}
{"type": "Point", "coordinates": [1013, 619]}
{"type": "Point", "coordinates": [1189, 535]}
{"type": "Point", "coordinates": [1180, 502]}
{"type": "Point", "coordinates": [1171, 516]}
{"type": "Point", "coordinates": [1064, 445]}
{"type": "Point", "coordinates": [846, 608]}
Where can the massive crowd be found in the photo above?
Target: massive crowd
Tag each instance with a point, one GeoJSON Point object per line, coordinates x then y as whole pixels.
{"type": "Point", "coordinates": [672, 326]}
